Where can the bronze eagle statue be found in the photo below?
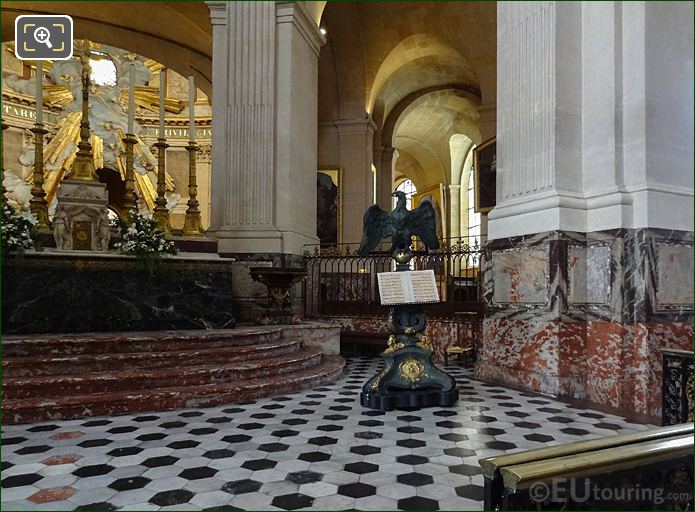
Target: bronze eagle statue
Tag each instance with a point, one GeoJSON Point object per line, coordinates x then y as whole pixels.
{"type": "Point", "coordinates": [400, 224]}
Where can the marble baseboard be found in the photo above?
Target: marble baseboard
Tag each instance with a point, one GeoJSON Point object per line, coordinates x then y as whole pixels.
{"type": "Point", "coordinates": [607, 363]}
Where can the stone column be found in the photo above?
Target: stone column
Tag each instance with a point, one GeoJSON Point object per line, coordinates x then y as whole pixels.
{"type": "Point", "coordinates": [356, 154]}
{"type": "Point", "coordinates": [383, 160]}
{"type": "Point", "coordinates": [265, 76]}
{"type": "Point", "coordinates": [455, 211]}
{"type": "Point", "coordinates": [590, 260]}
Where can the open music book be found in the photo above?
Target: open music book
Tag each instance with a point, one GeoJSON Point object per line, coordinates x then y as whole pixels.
{"type": "Point", "coordinates": [409, 287]}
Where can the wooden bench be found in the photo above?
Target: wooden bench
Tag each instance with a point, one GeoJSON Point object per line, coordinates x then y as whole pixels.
{"type": "Point", "coordinates": [512, 481]}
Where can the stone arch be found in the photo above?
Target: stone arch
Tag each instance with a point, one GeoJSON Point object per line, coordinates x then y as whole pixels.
{"type": "Point", "coordinates": [417, 62]}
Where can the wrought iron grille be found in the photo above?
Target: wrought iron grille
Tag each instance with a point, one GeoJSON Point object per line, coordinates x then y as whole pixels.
{"type": "Point", "coordinates": [677, 387]}
{"type": "Point", "coordinates": [342, 283]}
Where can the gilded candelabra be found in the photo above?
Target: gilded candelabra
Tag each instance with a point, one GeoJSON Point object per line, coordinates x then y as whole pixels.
{"type": "Point", "coordinates": [161, 214]}
{"type": "Point", "coordinates": [2, 168]}
{"type": "Point", "coordinates": [38, 204]}
{"type": "Point", "coordinates": [83, 166]}
{"type": "Point", "coordinates": [192, 225]}
{"type": "Point", "coordinates": [129, 204]}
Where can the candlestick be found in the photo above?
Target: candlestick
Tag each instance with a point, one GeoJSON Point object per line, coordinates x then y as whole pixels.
{"type": "Point", "coordinates": [162, 96]}
{"type": "Point", "coordinates": [161, 214]}
{"type": "Point", "coordinates": [131, 98]}
{"type": "Point", "coordinates": [2, 169]}
{"type": "Point", "coordinates": [129, 196]}
{"type": "Point", "coordinates": [37, 204]}
{"type": "Point", "coordinates": [83, 166]}
{"type": "Point", "coordinates": [192, 224]}
{"type": "Point", "coordinates": [39, 91]}
{"type": "Point", "coordinates": [191, 109]}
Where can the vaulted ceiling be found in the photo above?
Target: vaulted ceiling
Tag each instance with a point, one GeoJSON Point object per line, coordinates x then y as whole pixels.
{"type": "Point", "coordinates": [419, 69]}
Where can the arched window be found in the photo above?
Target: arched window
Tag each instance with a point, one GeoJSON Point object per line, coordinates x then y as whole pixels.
{"type": "Point", "coordinates": [473, 217]}
{"type": "Point", "coordinates": [103, 69]}
{"type": "Point", "coordinates": [407, 187]}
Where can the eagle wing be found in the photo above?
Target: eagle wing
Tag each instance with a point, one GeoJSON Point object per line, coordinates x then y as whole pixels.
{"type": "Point", "coordinates": [423, 223]}
{"type": "Point", "coordinates": [376, 226]}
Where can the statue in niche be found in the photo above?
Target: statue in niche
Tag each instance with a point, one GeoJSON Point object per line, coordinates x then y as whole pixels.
{"type": "Point", "coordinates": [61, 233]}
{"type": "Point", "coordinates": [104, 230]}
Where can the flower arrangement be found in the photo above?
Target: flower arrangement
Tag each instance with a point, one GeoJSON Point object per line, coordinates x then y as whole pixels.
{"type": "Point", "coordinates": [143, 237]}
{"type": "Point", "coordinates": [18, 230]}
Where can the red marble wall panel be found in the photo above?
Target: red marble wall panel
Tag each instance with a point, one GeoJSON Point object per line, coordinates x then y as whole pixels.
{"type": "Point", "coordinates": [605, 362]}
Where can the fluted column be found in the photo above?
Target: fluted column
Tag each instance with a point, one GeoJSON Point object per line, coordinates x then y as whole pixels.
{"type": "Point", "coordinates": [589, 134]}
{"type": "Point", "coordinates": [265, 71]}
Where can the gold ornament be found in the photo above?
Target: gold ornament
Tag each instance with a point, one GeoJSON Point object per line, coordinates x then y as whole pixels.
{"type": "Point", "coordinates": [424, 342]}
{"type": "Point", "coordinates": [393, 344]}
{"type": "Point", "coordinates": [411, 369]}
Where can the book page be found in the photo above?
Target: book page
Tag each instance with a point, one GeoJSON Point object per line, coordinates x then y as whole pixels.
{"type": "Point", "coordinates": [410, 287]}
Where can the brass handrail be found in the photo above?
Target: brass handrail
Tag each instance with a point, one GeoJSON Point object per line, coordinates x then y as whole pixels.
{"type": "Point", "coordinates": [522, 476]}
{"type": "Point", "coordinates": [491, 465]}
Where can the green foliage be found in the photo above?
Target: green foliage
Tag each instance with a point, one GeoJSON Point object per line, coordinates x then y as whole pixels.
{"type": "Point", "coordinates": [143, 238]}
{"type": "Point", "coordinates": [18, 230]}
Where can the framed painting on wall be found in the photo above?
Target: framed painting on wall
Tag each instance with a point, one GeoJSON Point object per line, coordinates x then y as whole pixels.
{"type": "Point", "coordinates": [328, 207]}
{"type": "Point", "coordinates": [485, 175]}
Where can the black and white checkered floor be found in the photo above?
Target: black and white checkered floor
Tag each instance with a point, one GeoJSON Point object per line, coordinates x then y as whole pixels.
{"type": "Point", "coordinates": [318, 449]}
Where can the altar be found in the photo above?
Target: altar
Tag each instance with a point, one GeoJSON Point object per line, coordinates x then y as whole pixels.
{"type": "Point", "coordinates": [83, 291]}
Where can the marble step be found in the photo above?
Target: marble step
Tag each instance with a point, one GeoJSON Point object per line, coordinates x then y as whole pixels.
{"type": "Point", "coordinates": [169, 398]}
{"type": "Point", "coordinates": [15, 367]}
{"type": "Point", "coordinates": [118, 342]}
{"type": "Point", "coordinates": [141, 379]}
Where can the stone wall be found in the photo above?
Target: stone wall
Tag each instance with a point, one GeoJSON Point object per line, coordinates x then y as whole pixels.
{"type": "Point", "coordinates": [585, 315]}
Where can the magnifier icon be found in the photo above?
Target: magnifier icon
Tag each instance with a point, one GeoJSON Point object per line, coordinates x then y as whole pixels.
{"type": "Point", "coordinates": [43, 36]}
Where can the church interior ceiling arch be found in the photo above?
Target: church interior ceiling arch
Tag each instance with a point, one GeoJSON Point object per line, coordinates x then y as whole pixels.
{"type": "Point", "coordinates": [421, 72]}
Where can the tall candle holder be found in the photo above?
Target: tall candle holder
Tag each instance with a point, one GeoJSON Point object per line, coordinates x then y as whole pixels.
{"type": "Point", "coordinates": [83, 166]}
{"type": "Point", "coordinates": [129, 204]}
{"type": "Point", "coordinates": [38, 204]}
{"type": "Point", "coordinates": [161, 214]}
{"type": "Point", "coordinates": [2, 168]}
{"type": "Point", "coordinates": [192, 225]}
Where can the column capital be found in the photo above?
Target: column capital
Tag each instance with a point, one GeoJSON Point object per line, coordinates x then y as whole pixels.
{"type": "Point", "coordinates": [296, 14]}
{"type": "Point", "coordinates": [218, 12]}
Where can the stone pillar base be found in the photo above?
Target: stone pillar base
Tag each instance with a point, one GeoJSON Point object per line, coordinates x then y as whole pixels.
{"type": "Point", "coordinates": [585, 315]}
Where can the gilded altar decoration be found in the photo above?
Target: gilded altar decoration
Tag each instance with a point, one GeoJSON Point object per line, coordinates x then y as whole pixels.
{"type": "Point", "coordinates": [411, 369]}
{"type": "Point", "coordinates": [107, 113]}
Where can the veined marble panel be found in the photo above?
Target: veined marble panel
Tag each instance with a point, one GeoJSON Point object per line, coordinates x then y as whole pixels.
{"type": "Point", "coordinates": [588, 269]}
{"type": "Point", "coordinates": [521, 276]}
{"type": "Point", "coordinates": [674, 275]}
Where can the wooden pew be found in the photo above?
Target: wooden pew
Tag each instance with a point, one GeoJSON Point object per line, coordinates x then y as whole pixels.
{"type": "Point", "coordinates": [509, 478]}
